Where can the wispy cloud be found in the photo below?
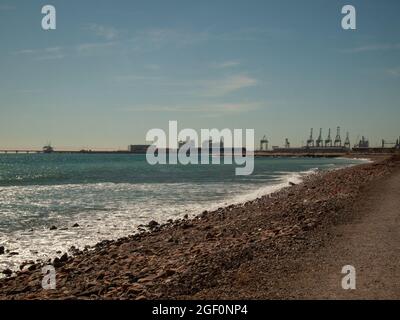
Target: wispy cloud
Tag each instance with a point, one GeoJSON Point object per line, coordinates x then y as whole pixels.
{"type": "Point", "coordinates": [146, 40]}
{"type": "Point", "coordinates": [196, 87]}
{"type": "Point", "coordinates": [395, 72]}
{"type": "Point", "coordinates": [252, 34]}
{"type": "Point", "coordinates": [373, 47]}
{"type": "Point", "coordinates": [106, 32]}
{"type": "Point", "coordinates": [54, 53]}
{"type": "Point", "coordinates": [93, 47]}
{"type": "Point", "coordinates": [132, 78]}
{"type": "Point", "coordinates": [158, 38]}
{"type": "Point", "coordinates": [26, 51]}
{"type": "Point", "coordinates": [213, 109]}
{"type": "Point", "coordinates": [49, 53]}
{"type": "Point", "coordinates": [221, 87]}
{"type": "Point", "coordinates": [226, 64]}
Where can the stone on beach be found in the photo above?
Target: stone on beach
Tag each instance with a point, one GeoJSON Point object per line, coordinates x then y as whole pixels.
{"type": "Point", "coordinates": [7, 272]}
{"type": "Point", "coordinates": [153, 225]}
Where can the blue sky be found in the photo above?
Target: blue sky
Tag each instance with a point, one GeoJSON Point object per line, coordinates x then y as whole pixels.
{"type": "Point", "coordinates": [112, 70]}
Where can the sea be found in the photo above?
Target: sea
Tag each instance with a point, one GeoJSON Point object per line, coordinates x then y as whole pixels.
{"type": "Point", "coordinates": [95, 197]}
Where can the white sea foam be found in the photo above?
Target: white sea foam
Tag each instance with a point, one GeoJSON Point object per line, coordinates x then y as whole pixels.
{"type": "Point", "coordinates": [111, 221]}
{"type": "Point", "coordinates": [365, 160]}
{"type": "Point", "coordinates": [113, 210]}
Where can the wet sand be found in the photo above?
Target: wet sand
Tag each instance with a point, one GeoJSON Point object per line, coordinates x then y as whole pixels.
{"type": "Point", "coordinates": [288, 245]}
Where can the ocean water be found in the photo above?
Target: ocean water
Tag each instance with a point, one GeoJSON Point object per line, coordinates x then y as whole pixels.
{"type": "Point", "coordinates": [109, 196]}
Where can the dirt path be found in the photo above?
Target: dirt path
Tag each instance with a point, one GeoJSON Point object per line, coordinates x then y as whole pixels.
{"type": "Point", "coordinates": [370, 242]}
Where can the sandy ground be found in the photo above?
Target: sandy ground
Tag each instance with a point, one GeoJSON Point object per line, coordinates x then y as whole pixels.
{"type": "Point", "coordinates": [370, 242]}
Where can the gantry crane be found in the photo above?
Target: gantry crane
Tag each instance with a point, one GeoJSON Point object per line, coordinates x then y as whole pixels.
{"type": "Point", "coordinates": [338, 139]}
{"type": "Point", "coordinates": [264, 144]}
{"type": "Point", "coordinates": [328, 141]}
{"type": "Point", "coordinates": [347, 141]}
{"type": "Point", "coordinates": [320, 141]}
{"type": "Point", "coordinates": [310, 141]}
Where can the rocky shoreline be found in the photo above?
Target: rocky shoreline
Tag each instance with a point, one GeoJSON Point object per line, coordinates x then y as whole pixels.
{"type": "Point", "coordinates": [225, 254]}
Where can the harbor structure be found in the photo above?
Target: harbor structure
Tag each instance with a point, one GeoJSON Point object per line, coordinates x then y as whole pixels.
{"type": "Point", "coordinates": [328, 140]}
{"type": "Point", "coordinates": [320, 141]}
{"type": "Point", "coordinates": [338, 139]}
{"type": "Point", "coordinates": [138, 148]}
{"type": "Point", "coordinates": [310, 141]}
{"type": "Point", "coordinates": [329, 146]}
{"type": "Point", "coordinates": [347, 141]}
{"type": "Point", "coordinates": [264, 144]}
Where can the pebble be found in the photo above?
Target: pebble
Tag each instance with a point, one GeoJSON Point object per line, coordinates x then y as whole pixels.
{"type": "Point", "coordinates": [153, 224]}
{"type": "Point", "coordinates": [7, 272]}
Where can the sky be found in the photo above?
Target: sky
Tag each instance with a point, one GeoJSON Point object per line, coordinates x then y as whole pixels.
{"type": "Point", "coordinates": [112, 70]}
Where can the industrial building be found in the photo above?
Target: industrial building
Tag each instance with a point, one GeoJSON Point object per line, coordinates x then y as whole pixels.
{"type": "Point", "coordinates": [318, 145]}
{"type": "Point", "coordinates": [138, 148]}
{"type": "Point", "coordinates": [329, 145]}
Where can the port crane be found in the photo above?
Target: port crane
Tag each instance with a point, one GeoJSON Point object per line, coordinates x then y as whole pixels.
{"type": "Point", "coordinates": [264, 144]}
{"type": "Point", "coordinates": [310, 141]}
{"type": "Point", "coordinates": [328, 141]}
{"type": "Point", "coordinates": [287, 143]}
{"type": "Point", "coordinates": [338, 139]}
{"type": "Point", "coordinates": [347, 141]}
{"type": "Point", "coordinates": [320, 141]}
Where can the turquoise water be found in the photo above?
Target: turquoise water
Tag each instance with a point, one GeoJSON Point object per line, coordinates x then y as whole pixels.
{"type": "Point", "coordinates": [110, 195]}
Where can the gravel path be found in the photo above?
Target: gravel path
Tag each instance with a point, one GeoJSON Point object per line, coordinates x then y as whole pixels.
{"type": "Point", "coordinates": [370, 243]}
